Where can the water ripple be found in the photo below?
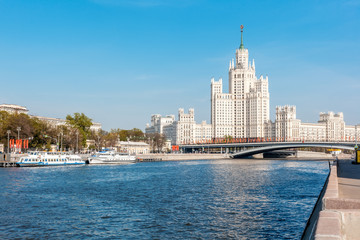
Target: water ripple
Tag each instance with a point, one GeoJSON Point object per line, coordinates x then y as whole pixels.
{"type": "Point", "coordinates": [164, 200]}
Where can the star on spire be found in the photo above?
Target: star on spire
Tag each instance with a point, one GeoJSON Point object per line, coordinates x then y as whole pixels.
{"type": "Point", "coordinates": [241, 45]}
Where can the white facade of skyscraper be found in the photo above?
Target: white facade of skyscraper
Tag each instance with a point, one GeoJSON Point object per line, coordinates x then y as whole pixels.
{"type": "Point", "coordinates": [222, 111]}
{"type": "Point", "coordinates": [243, 112]}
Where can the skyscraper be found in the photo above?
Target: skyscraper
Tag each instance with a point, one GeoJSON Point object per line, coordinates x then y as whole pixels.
{"type": "Point", "coordinates": [243, 111]}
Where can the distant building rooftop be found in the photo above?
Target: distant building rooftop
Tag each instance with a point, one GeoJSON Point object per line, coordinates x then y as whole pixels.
{"type": "Point", "coordinates": [12, 108]}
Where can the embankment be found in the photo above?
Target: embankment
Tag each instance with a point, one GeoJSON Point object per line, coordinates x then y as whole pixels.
{"type": "Point", "coordinates": [336, 214]}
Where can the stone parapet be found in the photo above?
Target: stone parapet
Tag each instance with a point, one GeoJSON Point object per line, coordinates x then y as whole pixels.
{"type": "Point", "coordinates": [340, 214]}
{"type": "Point", "coordinates": [329, 222]}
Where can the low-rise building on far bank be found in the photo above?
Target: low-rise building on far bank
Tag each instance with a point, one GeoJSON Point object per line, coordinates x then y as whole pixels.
{"type": "Point", "coordinates": [12, 108]}
{"type": "Point", "coordinates": [132, 147]}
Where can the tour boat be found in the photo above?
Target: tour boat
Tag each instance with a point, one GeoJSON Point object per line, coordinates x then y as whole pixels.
{"type": "Point", "coordinates": [36, 159]}
{"type": "Point", "coordinates": [111, 157]}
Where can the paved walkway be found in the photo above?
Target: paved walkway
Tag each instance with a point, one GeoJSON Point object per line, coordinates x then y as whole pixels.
{"type": "Point", "coordinates": [349, 189]}
{"type": "Point", "coordinates": [349, 179]}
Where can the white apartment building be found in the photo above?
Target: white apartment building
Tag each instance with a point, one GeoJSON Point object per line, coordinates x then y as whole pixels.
{"type": "Point", "coordinates": [335, 125]}
{"type": "Point", "coordinates": [287, 127]}
{"type": "Point", "coordinates": [185, 130]}
{"type": "Point", "coordinates": [203, 132]}
{"type": "Point", "coordinates": [158, 122]}
{"type": "Point", "coordinates": [243, 112]}
{"type": "Point", "coordinates": [330, 127]}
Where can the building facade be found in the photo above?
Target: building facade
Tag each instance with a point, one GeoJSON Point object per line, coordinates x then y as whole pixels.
{"type": "Point", "coordinates": [12, 108]}
{"type": "Point", "coordinates": [158, 123]}
{"type": "Point", "coordinates": [134, 148]}
{"type": "Point", "coordinates": [243, 112]}
{"type": "Point", "coordinates": [330, 127]}
{"type": "Point", "coordinates": [185, 130]}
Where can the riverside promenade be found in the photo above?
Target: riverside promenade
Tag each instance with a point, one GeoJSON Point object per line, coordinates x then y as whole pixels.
{"type": "Point", "coordinates": [337, 213]}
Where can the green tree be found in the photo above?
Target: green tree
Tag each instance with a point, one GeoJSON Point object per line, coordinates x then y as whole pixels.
{"type": "Point", "coordinates": [39, 133]}
{"type": "Point", "coordinates": [156, 141]}
{"type": "Point", "coordinates": [111, 138]}
{"type": "Point", "coordinates": [82, 123]}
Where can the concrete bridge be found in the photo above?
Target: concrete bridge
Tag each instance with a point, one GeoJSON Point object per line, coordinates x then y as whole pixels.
{"type": "Point", "coordinates": [238, 150]}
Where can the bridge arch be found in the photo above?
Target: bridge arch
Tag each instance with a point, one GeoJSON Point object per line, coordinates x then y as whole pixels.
{"type": "Point", "coordinates": [258, 150]}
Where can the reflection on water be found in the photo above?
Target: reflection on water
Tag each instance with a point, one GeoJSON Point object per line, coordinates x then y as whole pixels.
{"type": "Point", "coordinates": [228, 199]}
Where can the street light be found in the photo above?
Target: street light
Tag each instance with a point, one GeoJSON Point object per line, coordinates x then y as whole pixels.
{"type": "Point", "coordinates": [77, 141]}
{"type": "Point", "coordinates": [61, 134]}
{"type": "Point", "coordinates": [355, 135]}
{"type": "Point", "coordinates": [18, 130]}
{"type": "Point", "coordinates": [58, 142]}
{"type": "Point", "coordinates": [99, 143]}
{"type": "Point", "coordinates": [8, 133]}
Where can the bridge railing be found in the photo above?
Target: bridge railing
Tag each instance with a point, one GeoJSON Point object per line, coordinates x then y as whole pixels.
{"type": "Point", "coordinates": [260, 140]}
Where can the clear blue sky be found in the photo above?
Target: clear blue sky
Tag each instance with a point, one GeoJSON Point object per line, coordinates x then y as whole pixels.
{"type": "Point", "coordinates": [119, 61]}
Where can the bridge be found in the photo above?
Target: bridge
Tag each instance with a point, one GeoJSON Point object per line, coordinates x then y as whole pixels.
{"type": "Point", "coordinates": [239, 150]}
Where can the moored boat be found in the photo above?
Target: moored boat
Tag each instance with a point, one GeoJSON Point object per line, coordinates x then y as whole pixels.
{"type": "Point", "coordinates": [37, 159]}
{"type": "Point", "coordinates": [111, 157]}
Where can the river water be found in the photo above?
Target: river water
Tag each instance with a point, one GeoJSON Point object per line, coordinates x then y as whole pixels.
{"type": "Point", "coordinates": [207, 199]}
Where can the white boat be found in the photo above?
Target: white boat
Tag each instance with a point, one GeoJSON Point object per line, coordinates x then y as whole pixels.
{"type": "Point", "coordinates": [36, 159]}
{"type": "Point", "coordinates": [111, 157]}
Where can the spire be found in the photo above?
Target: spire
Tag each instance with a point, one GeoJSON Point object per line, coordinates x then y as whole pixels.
{"type": "Point", "coordinates": [241, 45]}
{"type": "Point", "coordinates": [253, 64]}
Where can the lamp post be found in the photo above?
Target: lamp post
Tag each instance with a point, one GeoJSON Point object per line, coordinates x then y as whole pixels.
{"type": "Point", "coordinates": [77, 141]}
{"type": "Point", "coordinates": [98, 143]}
{"type": "Point", "coordinates": [61, 135]}
{"type": "Point", "coordinates": [58, 142]}
{"type": "Point", "coordinates": [8, 133]}
{"type": "Point", "coordinates": [18, 130]}
{"type": "Point", "coordinates": [355, 135]}
{"type": "Point", "coordinates": [30, 139]}
{"type": "Point", "coordinates": [128, 146]}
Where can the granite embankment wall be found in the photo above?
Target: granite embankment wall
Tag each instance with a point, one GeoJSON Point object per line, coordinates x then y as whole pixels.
{"type": "Point", "coordinates": [336, 214]}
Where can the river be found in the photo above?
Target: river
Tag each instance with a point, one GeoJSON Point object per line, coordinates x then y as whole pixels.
{"type": "Point", "coordinates": [205, 199]}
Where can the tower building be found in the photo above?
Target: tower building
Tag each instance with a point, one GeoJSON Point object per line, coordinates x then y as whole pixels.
{"type": "Point", "coordinates": [243, 111]}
